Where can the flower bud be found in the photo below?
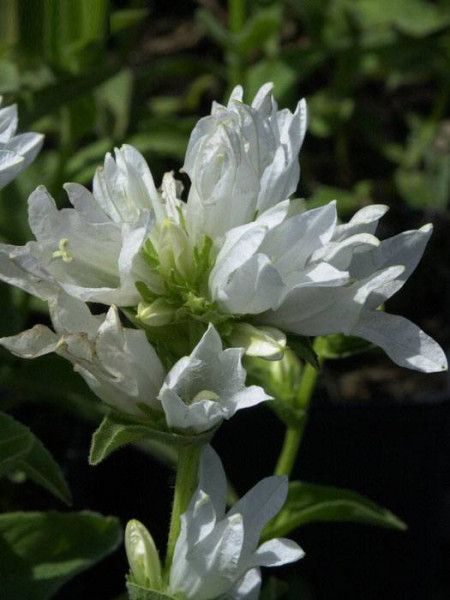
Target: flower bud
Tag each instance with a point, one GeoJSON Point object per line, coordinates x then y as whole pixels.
{"type": "Point", "coordinates": [157, 313]}
{"type": "Point", "coordinates": [175, 251]}
{"type": "Point", "coordinates": [142, 556]}
{"type": "Point", "coordinates": [266, 342]}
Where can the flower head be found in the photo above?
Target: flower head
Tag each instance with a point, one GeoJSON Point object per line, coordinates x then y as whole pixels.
{"type": "Point", "coordinates": [16, 151]}
{"type": "Point", "coordinates": [217, 552]}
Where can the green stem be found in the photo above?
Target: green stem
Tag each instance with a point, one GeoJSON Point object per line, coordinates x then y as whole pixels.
{"type": "Point", "coordinates": [294, 435]}
{"type": "Point", "coordinates": [185, 484]}
{"type": "Point", "coordinates": [236, 21]}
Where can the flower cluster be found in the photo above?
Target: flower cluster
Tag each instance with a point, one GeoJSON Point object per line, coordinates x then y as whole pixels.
{"type": "Point", "coordinates": [233, 270]}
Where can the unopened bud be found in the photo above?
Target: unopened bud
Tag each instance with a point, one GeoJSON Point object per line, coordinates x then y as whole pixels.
{"type": "Point", "coordinates": [142, 556]}
{"type": "Point", "coordinates": [157, 313]}
{"type": "Point", "coordinates": [175, 251]}
{"type": "Point", "coordinates": [266, 342]}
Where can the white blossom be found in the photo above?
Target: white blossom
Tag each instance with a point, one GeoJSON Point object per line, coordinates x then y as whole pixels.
{"type": "Point", "coordinates": [308, 275]}
{"type": "Point", "coordinates": [217, 553]}
{"type": "Point", "coordinates": [242, 160]}
{"type": "Point", "coordinates": [122, 368]}
{"type": "Point", "coordinates": [93, 250]}
{"type": "Point", "coordinates": [117, 363]}
{"type": "Point", "coordinates": [208, 386]}
{"type": "Point", "coordinates": [16, 151]}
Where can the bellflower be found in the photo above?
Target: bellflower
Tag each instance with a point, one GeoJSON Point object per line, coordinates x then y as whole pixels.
{"type": "Point", "coordinates": [217, 553]}
{"type": "Point", "coordinates": [242, 160]}
{"type": "Point", "coordinates": [122, 368]}
{"type": "Point", "coordinates": [16, 151]}
{"type": "Point", "coordinates": [91, 251]}
{"type": "Point", "coordinates": [308, 275]}
{"type": "Point", "coordinates": [117, 363]}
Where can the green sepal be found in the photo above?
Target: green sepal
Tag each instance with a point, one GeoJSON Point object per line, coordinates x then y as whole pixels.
{"type": "Point", "coordinates": [308, 503]}
{"type": "Point", "coordinates": [136, 592]}
{"type": "Point", "coordinates": [40, 551]}
{"type": "Point", "coordinates": [21, 450]}
{"type": "Point", "coordinates": [338, 345]}
{"type": "Point", "coordinates": [302, 346]}
{"type": "Point", "coordinates": [117, 430]}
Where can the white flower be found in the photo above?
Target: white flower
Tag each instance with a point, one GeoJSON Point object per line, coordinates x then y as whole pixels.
{"type": "Point", "coordinates": [122, 368]}
{"type": "Point", "coordinates": [309, 276]}
{"type": "Point", "coordinates": [92, 251]}
{"type": "Point", "coordinates": [117, 363]}
{"type": "Point", "coordinates": [208, 386]}
{"type": "Point", "coordinates": [16, 151]}
{"type": "Point", "coordinates": [242, 160]}
{"type": "Point", "coordinates": [217, 553]}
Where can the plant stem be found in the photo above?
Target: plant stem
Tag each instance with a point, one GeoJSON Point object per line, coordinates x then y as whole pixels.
{"type": "Point", "coordinates": [185, 484]}
{"type": "Point", "coordinates": [236, 21]}
{"type": "Point", "coordinates": [294, 435]}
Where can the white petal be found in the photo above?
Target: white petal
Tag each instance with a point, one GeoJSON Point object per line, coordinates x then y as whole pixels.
{"type": "Point", "coordinates": [276, 552]}
{"type": "Point", "coordinates": [212, 479]}
{"type": "Point", "coordinates": [253, 288]}
{"type": "Point", "coordinates": [258, 506]}
{"type": "Point", "coordinates": [403, 342]}
{"type": "Point", "coordinates": [32, 343]}
{"type": "Point", "coordinates": [363, 221]}
{"type": "Point", "coordinates": [248, 588]}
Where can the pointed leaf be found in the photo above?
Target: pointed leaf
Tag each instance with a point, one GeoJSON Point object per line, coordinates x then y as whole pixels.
{"type": "Point", "coordinates": [28, 454]}
{"type": "Point", "coordinates": [115, 432]}
{"type": "Point", "coordinates": [307, 503]}
{"type": "Point", "coordinates": [15, 442]}
{"type": "Point", "coordinates": [39, 552]}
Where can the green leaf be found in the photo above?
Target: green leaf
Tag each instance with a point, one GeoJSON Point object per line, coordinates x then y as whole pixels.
{"type": "Point", "coordinates": [338, 345]}
{"type": "Point", "coordinates": [28, 454]}
{"type": "Point", "coordinates": [263, 25]}
{"type": "Point", "coordinates": [302, 346]}
{"type": "Point", "coordinates": [276, 70]}
{"type": "Point", "coordinates": [136, 592]}
{"type": "Point", "coordinates": [308, 503]}
{"type": "Point", "coordinates": [214, 28]}
{"type": "Point", "coordinates": [116, 431]}
{"type": "Point", "coordinates": [15, 442]}
{"type": "Point", "coordinates": [39, 552]}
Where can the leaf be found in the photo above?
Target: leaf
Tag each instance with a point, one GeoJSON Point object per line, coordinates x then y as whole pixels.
{"type": "Point", "coordinates": [302, 346]}
{"type": "Point", "coordinates": [39, 552]}
{"type": "Point", "coordinates": [136, 592]}
{"type": "Point", "coordinates": [338, 345]}
{"type": "Point", "coordinates": [116, 431]}
{"type": "Point", "coordinates": [15, 442]}
{"type": "Point", "coordinates": [263, 25]}
{"type": "Point", "coordinates": [276, 70]}
{"type": "Point", "coordinates": [308, 503]}
{"type": "Point", "coordinates": [52, 97]}
{"type": "Point", "coordinates": [214, 28]}
{"type": "Point", "coordinates": [28, 454]}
